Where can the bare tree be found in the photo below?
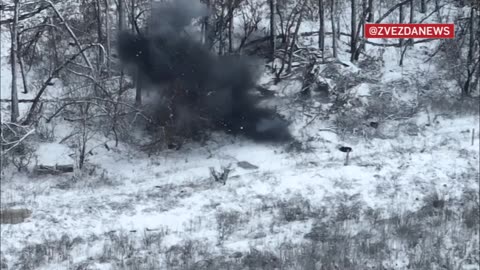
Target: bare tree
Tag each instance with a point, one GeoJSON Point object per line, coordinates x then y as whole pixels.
{"type": "Point", "coordinates": [138, 79]}
{"type": "Point", "coordinates": [52, 35]}
{"type": "Point", "coordinates": [410, 41]}
{"type": "Point", "coordinates": [13, 53]}
{"type": "Point", "coordinates": [423, 6]}
{"type": "Point", "coordinates": [98, 15]}
{"type": "Point", "coordinates": [220, 28]}
{"type": "Point", "coordinates": [334, 32]}
{"type": "Point", "coordinates": [22, 66]}
{"type": "Point", "coordinates": [353, 26]}
{"type": "Point", "coordinates": [107, 36]}
{"type": "Point", "coordinates": [321, 29]}
{"type": "Point", "coordinates": [47, 82]}
{"type": "Point", "coordinates": [295, 34]}
{"type": "Point", "coordinates": [251, 18]}
{"type": "Point", "coordinates": [478, 46]}
{"type": "Point", "coordinates": [294, 18]}
{"type": "Point", "coordinates": [400, 20]}
{"type": "Point", "coordinates": [121, 15]}
{"type": "Point", "coordinates": [412, 11]}
{"type": "Point", "coordinates": [231, 15]}
{"type": "Point", "coordinates": [365, 16]}
{"type": "Point", "coordinates": [370, 17]}
{"type": "Point", "coordinates": [471, 63]}
{"type": "Point", "coordinates": [272, 29]}
{"type": "Point", "coordinates": [207, 31]}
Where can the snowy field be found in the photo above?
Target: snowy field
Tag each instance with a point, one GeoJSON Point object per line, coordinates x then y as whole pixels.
{"type": "Point", "coordinates": [406, 199]}
{"type": "Point", "coordinates": [170, 198]}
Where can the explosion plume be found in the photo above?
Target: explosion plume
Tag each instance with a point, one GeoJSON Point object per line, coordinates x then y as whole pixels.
{"type": "Point", "coordinates": [198, 89]}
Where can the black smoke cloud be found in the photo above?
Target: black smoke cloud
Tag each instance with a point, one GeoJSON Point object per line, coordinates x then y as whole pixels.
{"type": "Point", "coordinates": [196, 85]}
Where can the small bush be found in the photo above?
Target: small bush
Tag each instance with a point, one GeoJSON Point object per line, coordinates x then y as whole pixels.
{"type": "Point", "coordinates": [348, 207]}
{"type": "Point", "coordinates": [184, 255]}
{"type": "Point", "coordinates": [471, 209]}
{"type": "Point", "coordinates": [22, 156]}
{"type": "Point", "coordinates": [296, 208]}
{"type": "Point", "coordinates": [227, 223]}
{"type": "Point", "coordinates": [260, 260]}
{"type": "Point", "coordinates": [45, 131]}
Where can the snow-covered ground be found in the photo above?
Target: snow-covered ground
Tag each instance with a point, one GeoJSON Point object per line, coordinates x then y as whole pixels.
{"type": "Point", "coordinates": [132, 210]}
{"type": "Point", "coordinates": [174, 193]}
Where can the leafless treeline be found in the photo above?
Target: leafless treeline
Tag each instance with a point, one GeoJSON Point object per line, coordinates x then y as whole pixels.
{"type": "Point", "coordinates": [73, 41]}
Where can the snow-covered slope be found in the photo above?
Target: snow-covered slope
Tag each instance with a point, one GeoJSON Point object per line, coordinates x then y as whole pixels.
{"type": "Point", "coordinates": [405, 200]}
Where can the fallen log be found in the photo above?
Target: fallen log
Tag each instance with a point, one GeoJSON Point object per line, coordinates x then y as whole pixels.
{"type": "Point", "coordinates": [57, 169]}
{"type": "Point", "coordinates": [14, 216]}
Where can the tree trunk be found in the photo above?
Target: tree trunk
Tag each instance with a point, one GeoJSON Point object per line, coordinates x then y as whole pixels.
{"type": "Point", "coordinates": [334, 32]}
{"type": "Point", "coordinates": [338, 22]}
{"type": "Point", "coordinates": [221, 38]}
{"type": "Point", "coordinates": [132, 16]}
{"type": "Point", "coordinates": [371, 9]}
{"type": "Point", "coordinates": [470, 60]}
{"type": "Point", "coordinates": [401, 41]}
{"type": "Point", "coordinates": [353, 28]}
{"type": "Point", "coordinates": [207, 38]}
{"type": "Point", "coordinates": [412, 11]}
{"type": "Point", "coordinates": [321, 29]}
{"type": "Point", "coordinates": [121, 15]}
{"type": "Point", "coordinates": [53, 43]}
{"type": "Point", "coordinates": [231, 9]}
{"type": "Point", "coordinates": [410, 41]}
{"type": "Point", "coordinates": [107, 36]}
{"type": "Point", "coordinates": [83, 136]}
{"type": "Point", "coordinates": [363, 19]}
{"type": "Point", "coordinates": [478, 47]}
{"type": "Point", "coordinates": [423, 6]}
{"type": "Point", "coordinates": [121, 27]}
{"type": "Point", "coordinates": [295, 34]}
{"type": "Point", "coordinates": [138, 82]}
{"type": "Point", "coordinates": [100, 56]}
{"type": "Point", "coordinates": [13, 53]}
{"type": "Point", "coordinates": [282, 23]}
{"type": "Point", "coordinates": [138, 88]}
{"type": "Point", "coordinates": [272, 30]}
{"type": "Point", "coordinates": [22, 66]}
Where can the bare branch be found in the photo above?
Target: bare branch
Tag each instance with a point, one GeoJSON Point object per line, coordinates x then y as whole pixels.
{"type": "Point", "coordinates": [17, 142]}
{"type": "Point", "coordinates": [71, 33]}
{"type": "Point", "coordinates": [47, 82]}
{"type": "Point", "coordinates": [392, 9]}
{"type": "Point", "coordinates": [24, 16]}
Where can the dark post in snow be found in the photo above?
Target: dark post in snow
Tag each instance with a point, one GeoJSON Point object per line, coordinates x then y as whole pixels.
{"type": "Point", "coordinates": [346, 149]}
{"type": "Point", "coordinates": [473, 137]}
